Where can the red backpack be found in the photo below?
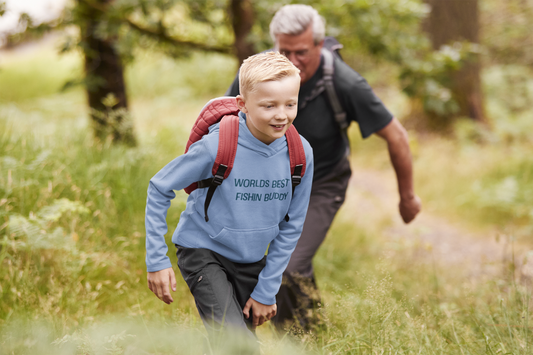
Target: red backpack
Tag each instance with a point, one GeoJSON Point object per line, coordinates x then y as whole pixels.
{"type": "Point", "coordinates": [226, 111]}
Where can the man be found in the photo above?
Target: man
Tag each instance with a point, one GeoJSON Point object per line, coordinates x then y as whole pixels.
{"type": "Point", "coordinates": [298, 32]}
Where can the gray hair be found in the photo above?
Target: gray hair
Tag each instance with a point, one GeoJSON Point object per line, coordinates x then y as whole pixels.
{"type": "Point", "coordinates": [295, 19]}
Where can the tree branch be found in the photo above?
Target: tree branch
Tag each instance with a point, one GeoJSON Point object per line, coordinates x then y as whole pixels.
{"type": "Point", "coordinates": [161, 34]}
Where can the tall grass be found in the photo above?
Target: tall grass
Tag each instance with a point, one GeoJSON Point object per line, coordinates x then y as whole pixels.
{"type": "Point", "coordinates": [72, 273]}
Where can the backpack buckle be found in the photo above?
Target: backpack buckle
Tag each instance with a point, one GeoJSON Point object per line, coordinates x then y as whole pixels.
{"type": "Point", "coordinates": [219, 176]}
{"type": "Point", "coordinates": [297, 177]}
{"type": "Point", "coordinates": [296, 180]}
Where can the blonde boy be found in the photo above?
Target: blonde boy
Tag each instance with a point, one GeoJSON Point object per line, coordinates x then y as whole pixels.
{"type": "Point", "coordinates": [223, 261]}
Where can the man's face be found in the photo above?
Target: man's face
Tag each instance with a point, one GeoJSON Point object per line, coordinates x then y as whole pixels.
{"type": "Point", "coordinates": [271, 107]}
{"type": "Point", "coordinates": [301, 51]}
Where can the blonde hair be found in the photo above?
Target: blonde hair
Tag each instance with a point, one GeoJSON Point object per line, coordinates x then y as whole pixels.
{"type": "Point", "coordinates": [268, 66]}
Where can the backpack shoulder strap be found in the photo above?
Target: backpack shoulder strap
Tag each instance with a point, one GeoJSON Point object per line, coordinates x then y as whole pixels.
{"type": "Point", "coordinates": [212, 113]}
{"type": "Point", "coordinates": [326, 84]}
{"type": "Point", "coordinates": [228, 137]}
{"type": "Point", "coordinates": [329, 71]}
{"type": "Point", "coordinates": [296, 151]}
{"type": "Point", "coordinates": [333, 45]}
{"type": "Point", "coordinates": [227, 149]}
{"type": "Point", "coordinates": [296, 157]}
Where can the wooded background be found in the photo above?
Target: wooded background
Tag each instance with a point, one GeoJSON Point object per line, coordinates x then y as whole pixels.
{"type": "Point", "coordinates": [95, 102]}
{"type": "Point", "coordinates": [438, 47]}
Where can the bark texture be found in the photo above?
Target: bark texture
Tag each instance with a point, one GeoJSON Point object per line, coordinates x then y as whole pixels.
{"type": "Point", "coordinates": [104, 82]}
{"type": "Point", "coordinates": [458, 20]}
{"type": "Point", "coordinates": [242, 20]}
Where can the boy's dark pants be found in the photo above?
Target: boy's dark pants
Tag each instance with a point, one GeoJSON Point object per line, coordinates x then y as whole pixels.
{"type": "Point", "coordinates": [220, 288]}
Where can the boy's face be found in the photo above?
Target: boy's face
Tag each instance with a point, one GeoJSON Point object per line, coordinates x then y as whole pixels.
{"type": "Point", "coordinates": [271, 107]}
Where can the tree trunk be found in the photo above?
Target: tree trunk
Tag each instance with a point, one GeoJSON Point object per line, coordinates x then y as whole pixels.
{"type": "Point", "coordinates": [458, 20]}
{"type": "Point", "coordinates": [104, 82]}
{"type": "Point", "coordinates": [242, 20]}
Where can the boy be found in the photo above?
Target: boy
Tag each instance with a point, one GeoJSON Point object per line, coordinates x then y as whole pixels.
{"type": "Point", "coordinates": [222, 259]}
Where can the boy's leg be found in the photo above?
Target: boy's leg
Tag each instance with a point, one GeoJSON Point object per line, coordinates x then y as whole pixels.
{"type": "Point", "coordinates": [213, 293]}
{"type": "Point", "coordinates": [298, 294]}
{"type": "Point", "coordinates": [220, 288]}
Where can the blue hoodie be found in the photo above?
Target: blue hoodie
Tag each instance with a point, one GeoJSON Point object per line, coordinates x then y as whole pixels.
{"type": "Point", "coordinates": [246, 214]}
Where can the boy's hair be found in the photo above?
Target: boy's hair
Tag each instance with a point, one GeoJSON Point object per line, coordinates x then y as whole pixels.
{"type": "Point", "coordinates": [268, 66]}
{"type": "Point", "coordinates": [295, 19]}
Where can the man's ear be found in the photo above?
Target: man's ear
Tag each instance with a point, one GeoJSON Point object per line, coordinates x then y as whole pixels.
{"type": "Point", "coordinates": [241, 103]}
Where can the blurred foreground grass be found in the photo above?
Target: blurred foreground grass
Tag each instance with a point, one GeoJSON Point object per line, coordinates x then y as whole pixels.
{"type": "Point", "coordinates": [72, 274]}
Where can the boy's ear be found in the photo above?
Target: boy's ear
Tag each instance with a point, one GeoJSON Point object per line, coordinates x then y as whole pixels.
{"type": "Point", "coordinates": [241, 103]}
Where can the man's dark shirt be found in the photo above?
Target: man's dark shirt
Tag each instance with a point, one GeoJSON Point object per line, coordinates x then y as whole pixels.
{"type": "Point", "coordinates": [316, 122]}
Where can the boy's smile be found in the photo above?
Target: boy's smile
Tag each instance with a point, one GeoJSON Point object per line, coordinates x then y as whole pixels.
{"type": "Point", "coordinates": [271, 107]}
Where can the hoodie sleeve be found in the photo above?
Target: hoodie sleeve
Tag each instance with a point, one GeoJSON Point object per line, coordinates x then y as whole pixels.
{"type": "Point", "coordinates": [283, 245]}
{"type": "Point", "coordinates": [178, 174]}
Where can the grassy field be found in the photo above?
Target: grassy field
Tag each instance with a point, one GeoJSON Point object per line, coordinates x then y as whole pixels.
{"type": "Point", "coordinates": [72, 273]}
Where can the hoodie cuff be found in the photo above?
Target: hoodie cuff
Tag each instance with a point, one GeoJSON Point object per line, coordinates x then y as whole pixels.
{"type": "Point", "coordinates": [264, 300]}
{"type": "Point", "coordinates": [165, 264]}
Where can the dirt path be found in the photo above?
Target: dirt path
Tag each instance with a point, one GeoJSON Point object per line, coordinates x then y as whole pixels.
{"type": "Point", "coordinates": [372, 200]}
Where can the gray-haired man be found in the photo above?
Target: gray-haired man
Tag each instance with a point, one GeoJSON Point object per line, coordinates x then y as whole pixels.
{"type": "Point", "coordinates": [298, 32]}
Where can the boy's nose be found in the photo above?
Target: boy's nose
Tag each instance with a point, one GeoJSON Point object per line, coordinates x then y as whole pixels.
{"type": "Point", "coordinates": [281, 116]}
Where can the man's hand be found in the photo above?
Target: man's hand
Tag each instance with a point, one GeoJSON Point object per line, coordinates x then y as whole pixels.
{"type": "Point", "coordinates": [261, 312]}
{"type": "Point", "coordinates": [409, 208]}
{"type": "Point", "coordinates": [159, 281]}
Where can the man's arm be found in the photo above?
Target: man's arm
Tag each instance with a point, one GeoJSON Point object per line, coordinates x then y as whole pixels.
{"type": "Point", "coordinates": [400, 154]}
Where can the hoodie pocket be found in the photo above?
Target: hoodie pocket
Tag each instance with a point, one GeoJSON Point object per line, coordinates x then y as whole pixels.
{"type": "Point", "coordinates": [251, 244]}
